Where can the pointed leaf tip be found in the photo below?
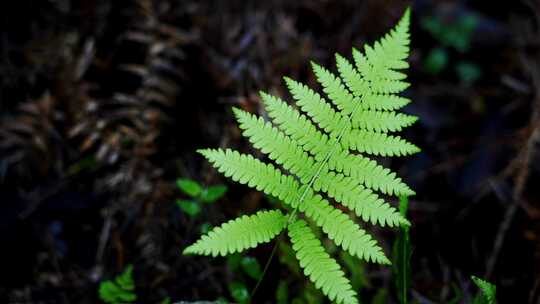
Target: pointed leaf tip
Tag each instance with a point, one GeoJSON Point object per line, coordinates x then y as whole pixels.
{"type": "Point", "coordinates": [187, 251]}
{"type": "Point", "coordinates": [407, 12]}
{"type": "Point", "coordinates": [238, 112]}
{"type": "Point", "coordinates": [203, 152]}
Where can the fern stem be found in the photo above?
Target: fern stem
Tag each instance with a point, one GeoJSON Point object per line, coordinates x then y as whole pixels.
{"type": "Point", "coordinates": [327, 157]}
{"type": "Point", "coordinates": [259, 281]}
{"type": "Point", "coordinates": [403, 255]}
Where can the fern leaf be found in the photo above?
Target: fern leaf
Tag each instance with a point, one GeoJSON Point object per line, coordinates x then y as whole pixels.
{"type": "Point", "coordinates": [239, 234]}
{"type": "Point", "coordinates": [321, 148]}
{"type": "Point", "coordinates": [321, 269]}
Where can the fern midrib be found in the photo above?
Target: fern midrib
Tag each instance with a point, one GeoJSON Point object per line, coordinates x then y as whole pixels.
{"type": "Point", "coordinates": [403, 206]}
{"type": "Point", "coordinates": [324, 161]}
{"type": "Point", "coordinates": [304, 193]}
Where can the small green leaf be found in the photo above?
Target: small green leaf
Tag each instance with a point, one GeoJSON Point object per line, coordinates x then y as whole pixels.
{"type": "Point", "coordinates": [189, 187]}
{"type": "Point", "coordinates": [119, 290]}
{"type": "Point", "coordinates": [189, 207]}
{"type": "Point", "coordinates": [488, 291]}
{"type": "Point", "coordinates": [239, 292]}
{"type": "Point", "coordinates": [125, 280]}
{"type": "Point", "coordinates": [251, 267]}
{"type": "Point", "coordinates": [213, 193]}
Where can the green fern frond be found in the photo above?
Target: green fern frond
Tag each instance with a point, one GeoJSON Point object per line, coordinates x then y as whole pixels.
{"type": "Point", "coordinates": [319, 152]}
{"type": "Point", "coordinates": [240, 234]}
{"type": "Point", "coordinates": [323, 270]}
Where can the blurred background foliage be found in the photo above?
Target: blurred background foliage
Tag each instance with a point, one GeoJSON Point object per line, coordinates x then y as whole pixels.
{"type": "Point", "coordinates": [103, 104]}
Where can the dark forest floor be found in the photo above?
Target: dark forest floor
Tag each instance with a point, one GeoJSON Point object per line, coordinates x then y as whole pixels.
{"type": "Point", "coordinates": [103, 104]}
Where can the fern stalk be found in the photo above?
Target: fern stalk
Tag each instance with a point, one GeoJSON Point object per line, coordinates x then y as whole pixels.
{"type": "Point", "coordinates": [402, 255]}
{"type": "Point", "coordinates": [321, 166]}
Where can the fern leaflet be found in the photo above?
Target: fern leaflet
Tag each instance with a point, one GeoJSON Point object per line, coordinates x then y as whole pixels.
{"type": "Point", "coordinates": [239, 234]}
{"type": "Point", "coordinates": [318, 265]}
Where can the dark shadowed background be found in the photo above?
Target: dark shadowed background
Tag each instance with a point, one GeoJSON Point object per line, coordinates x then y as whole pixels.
{"type": "Point", "coordinates": [103, 104]}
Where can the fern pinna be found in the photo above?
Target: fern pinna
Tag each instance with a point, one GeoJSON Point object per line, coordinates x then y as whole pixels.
{"type": "Point", "coordinates": [322, 146]}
